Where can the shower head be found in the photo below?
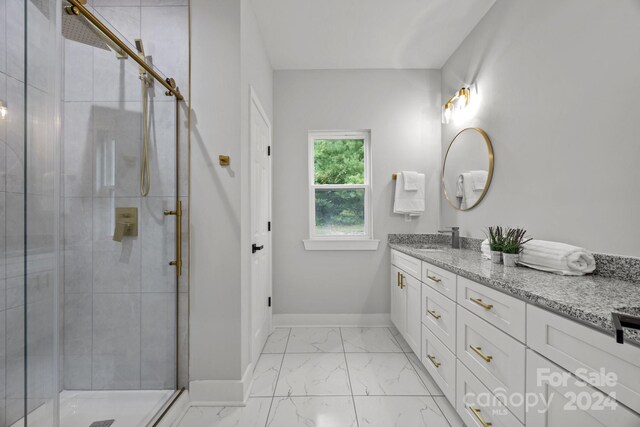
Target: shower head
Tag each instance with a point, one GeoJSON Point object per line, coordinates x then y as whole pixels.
{"type": "Point", "coordinates": [77, 28]}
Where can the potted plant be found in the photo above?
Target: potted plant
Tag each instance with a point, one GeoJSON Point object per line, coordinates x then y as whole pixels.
{"type": "Point", "coordinates": [496, 241]}
{"type": "Point", "coordinates": [512, 245]}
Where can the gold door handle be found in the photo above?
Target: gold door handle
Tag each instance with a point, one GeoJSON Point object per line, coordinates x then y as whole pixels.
{"type": "Point", "coordinates": [401, 281]}
{"type": "Point", "coordinates": [434, 314]}
{"type": "Point", "coordinates": [476, 412]}
{"type": "Point", "coordinates": [481, 304]}
{"type": "Point", "coordinates": [398, 281]}
{"type": "Point", "coordinates": [434, 360]}
{"type": "Point", "coordinates": [478, 351]}
{"type": "Point", "coordinates": [178, 214]}
{"type": "Point", "coordinates": [435, 279]}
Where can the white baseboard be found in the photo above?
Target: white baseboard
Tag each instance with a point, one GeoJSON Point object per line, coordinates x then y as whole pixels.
{"type": "Point", "coordinates": [221, 392]}
{"type": "Point", "coordinates": [369, 319]}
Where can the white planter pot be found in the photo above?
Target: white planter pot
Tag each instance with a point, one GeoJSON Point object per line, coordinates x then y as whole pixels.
{"type": "Point", "coordinates": [510, 260]}
{"type": "Point", "coordinates": [496, 257]}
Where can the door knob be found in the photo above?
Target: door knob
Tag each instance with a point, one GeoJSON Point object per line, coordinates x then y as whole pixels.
{"type": "Point", "coordinates": [255, 248]}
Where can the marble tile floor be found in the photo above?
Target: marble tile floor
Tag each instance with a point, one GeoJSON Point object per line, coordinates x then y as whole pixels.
{"type": "Point", "coordinates": [335, 377]}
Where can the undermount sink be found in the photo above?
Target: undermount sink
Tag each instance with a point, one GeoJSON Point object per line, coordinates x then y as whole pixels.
{"type": "Point", "coordinates": [430, 248]}
{"type": "Point", "coordinates": [631, 311]}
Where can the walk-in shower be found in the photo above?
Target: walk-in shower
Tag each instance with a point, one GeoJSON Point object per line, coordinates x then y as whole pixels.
{"type": "Point", "coordinates": [92, 196]}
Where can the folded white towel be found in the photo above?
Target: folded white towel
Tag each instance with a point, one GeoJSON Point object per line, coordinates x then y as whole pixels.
{"type": "Point", "coordinates": [479, 180]}
{"type": "Point", "coordinates": [558, 258]}
{"type": "Point", "coordinates": [411, 180]}
{"type": "Point", "coordinates": [409, 202]}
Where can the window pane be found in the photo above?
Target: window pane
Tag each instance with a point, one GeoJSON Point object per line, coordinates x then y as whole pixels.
{"type": "Point", "coordinates": [340, 212]}
{"type": "Point", "coordinates": [338, 161]}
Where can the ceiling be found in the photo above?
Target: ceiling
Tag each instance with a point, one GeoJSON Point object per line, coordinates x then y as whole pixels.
{"type": "Point", "coordinates": [352, 34]}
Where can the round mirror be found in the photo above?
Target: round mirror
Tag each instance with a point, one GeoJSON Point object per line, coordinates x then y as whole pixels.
{"type": "Point", "coordinates": [467, 168]}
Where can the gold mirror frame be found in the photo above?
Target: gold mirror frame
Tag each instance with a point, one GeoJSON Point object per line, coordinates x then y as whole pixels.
{"type": "Point", "coordinates": [489, 177]}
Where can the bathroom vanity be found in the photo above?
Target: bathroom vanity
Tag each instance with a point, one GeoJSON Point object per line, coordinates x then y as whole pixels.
{"type": "Point", "coordinates": [515, 346]}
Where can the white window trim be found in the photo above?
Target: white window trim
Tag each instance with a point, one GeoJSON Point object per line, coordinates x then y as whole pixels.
{"type": "Point", "coordinates": [330, 243]}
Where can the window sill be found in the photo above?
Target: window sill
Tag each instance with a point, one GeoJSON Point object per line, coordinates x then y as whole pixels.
{"type": "Point", "coordinates": [341, 245]}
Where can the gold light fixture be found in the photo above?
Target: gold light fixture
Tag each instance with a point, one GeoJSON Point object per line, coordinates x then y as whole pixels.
{"type": "Point", "coordinates": [3, 109]}
{"type": "Point", "coordinates": [455, 105]}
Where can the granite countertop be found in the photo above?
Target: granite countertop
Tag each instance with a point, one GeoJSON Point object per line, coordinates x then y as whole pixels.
{"type": "Point", "coordinates": [588, 299]}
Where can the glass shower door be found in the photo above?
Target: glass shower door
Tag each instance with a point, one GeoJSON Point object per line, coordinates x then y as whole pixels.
{"type": "Point", "coordinates": [90, 320]}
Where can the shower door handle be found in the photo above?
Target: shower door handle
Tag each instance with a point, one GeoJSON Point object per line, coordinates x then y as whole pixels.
{"type": "Point", "coordinates": [178, 214]}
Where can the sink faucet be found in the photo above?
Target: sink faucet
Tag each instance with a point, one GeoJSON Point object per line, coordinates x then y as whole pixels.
{"type": "Point", "coordinates": [455, 236]}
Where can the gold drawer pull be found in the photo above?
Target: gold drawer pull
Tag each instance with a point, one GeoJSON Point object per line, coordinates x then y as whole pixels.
{"type": "Point", "coordinates": [476, 412]}
{"type": "Point", "coordinates": [401, 281]}
{"type": "Point", "coordinates": [434, 360]}
{"type": "Point", "coordinates": [435, 279]}
{"type": "Point", "coordinates": [398, 279]}
{"type": "Point", "coordinates": [481, 304]}
{"type": "Point", "coordinates": [478, 351]}
{"type": "Point", "coordinates": [434, 314]}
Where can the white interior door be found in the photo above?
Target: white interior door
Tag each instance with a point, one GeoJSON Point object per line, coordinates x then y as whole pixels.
{"type": "Point", "coordinates": [260, 140]}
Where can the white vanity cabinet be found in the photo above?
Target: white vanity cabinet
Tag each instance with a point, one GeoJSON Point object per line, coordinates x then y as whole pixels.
{"type": "Point", "coordinates": [489, 352]}
{"type": "Point", "coordinates": [405, 298]}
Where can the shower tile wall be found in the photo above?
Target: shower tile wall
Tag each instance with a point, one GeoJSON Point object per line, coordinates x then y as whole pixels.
{"type": "Point", "coordinates": [120, 297]}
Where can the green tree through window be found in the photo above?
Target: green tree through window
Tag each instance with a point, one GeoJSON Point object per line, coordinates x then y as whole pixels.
{"type": "Point", "coordinates": [339, 162]}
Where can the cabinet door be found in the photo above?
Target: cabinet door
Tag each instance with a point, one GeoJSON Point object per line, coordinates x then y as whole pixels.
{"type": "Point", "coordinates": [398, 301]}
{"type": "Point", "coordinates": [563, 400]}
{"type": "Point", "coordinates": [411, 288]}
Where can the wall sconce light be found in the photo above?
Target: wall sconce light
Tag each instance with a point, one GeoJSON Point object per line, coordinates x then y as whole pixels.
{"type": "Point", "coordinates": [3, 109]}
{"type": "Point", "coordinates": [455, 105]}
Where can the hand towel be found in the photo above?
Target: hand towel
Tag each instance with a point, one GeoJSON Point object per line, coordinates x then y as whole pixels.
{"type": "Point", "coordinates": [479, 179]}
{"type": "Point", "coordinates": [460, 186]}
{"type": "Point", "coordinates": [558, 258]}
{"type": "Point", "coordinates": [409, 202]}
{"type": "Point", "coordinates": [411, 180]}
{"type": "Point", "coordinates": [469, 195]}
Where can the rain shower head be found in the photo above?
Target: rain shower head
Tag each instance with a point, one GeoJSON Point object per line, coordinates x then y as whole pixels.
{"type": "Point", "coordinates": [77, 28]}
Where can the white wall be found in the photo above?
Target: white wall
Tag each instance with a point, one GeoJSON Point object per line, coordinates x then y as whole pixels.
{"type": "Point", "coordinates": [227, 57]}
{"type": "Point", "coordinates": [558, 82]}
{"type": "Point", "coordinates": [402, 110]}
{"type": "Point", "coordinates": [215, 192]}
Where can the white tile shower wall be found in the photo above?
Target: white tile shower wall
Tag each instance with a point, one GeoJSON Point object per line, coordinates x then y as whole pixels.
{"type": "Point", "coordinates": [120, 297]}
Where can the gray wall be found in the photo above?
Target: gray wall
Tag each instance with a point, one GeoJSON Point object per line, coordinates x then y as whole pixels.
{"type": "Point", "coordinates": [228, 57]}
{"type": "Point", "coordinates": [557, 82]}
{"type": "Point", "coordinates": [120, 297]}
{"type": "Point", "coordinates": [402, 110]}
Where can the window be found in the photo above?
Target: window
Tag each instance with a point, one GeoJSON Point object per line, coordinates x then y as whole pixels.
{"type": "Point", "coordinates": [339, 191]}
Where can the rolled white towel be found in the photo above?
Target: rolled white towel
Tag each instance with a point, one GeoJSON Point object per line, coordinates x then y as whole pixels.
{"type": "Point", "coordinates": [558, 258]}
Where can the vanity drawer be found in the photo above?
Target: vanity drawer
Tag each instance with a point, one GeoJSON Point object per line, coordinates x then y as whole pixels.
{"type": "Point", "coordinates": [494, 357]}
{"type": "Point", "coordinates": [501, 310]}
{"type": "Point", "coordinates": [439, 279]}
{"type": "Point", "coordinates": [440, 363]}
{"type": "Point", "coordinates": [406, 263]}
{"type": "Point", "coordinates": [475, 408]}
{"type": "Point", "coordinates": [439, 315]}
{"type": "Point", "coordinates": [577, 347]}
{"type": "Point", "coordinates": [569, 402]}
